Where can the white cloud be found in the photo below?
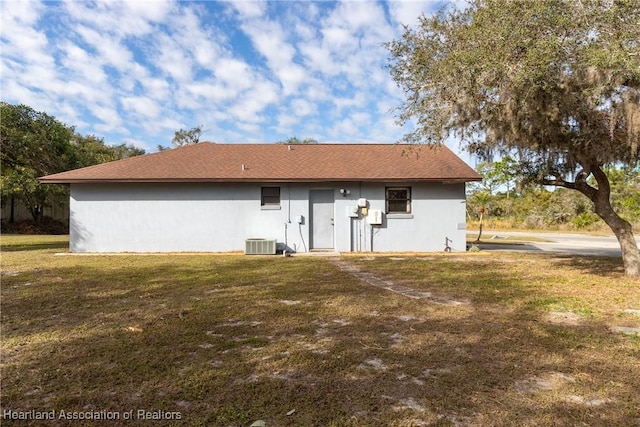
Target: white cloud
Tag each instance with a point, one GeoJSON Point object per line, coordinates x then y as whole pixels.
{"type": "Point", "coordinates": [361, 119]}
{"type": "Point", "coordinates": [124, 18]}
{"type": "Point", "coordinates": [155, 88]}
{"type": "Point", "coordinates": [292, 77]}
{"type": "Point", "coordinates": [250, 133]}
{"type": "Point", "coordinates": [234, 74]}
{"type": "Point", "coordinates": [108, 115]}
{"type": "Point", "coordinates": [21, 39]}
{"type": "Point", "coordinates": [253, 102]}
{"type": "Point", "coordinates": [317, 90]}
{"type": "Point", "coordinates": [11, 89]}
{"type": "Point", "coordinates": [270, 40]}
{"type": "Point", "coordinates": [362, 15]}
{"type": "Point", "coordinates": [167, 123]}
{"type": "Point", "coordinates": [25, 12]}
{"type": "Point", "coordinates": [408, 12]}
{"type": "Point", "coordinates": [301, 107]}
{"type": "Point", "coordinates": [303, 30]}
{"type": "Point", "coordinates": [198, 42]}
{"type": "Point", "coordinates": [69, 114]}
{"type": "Point", "coordinates": [142, 106]}
{"type": "Point", "coordinates": [246, 70]}
{"type": "Point", "coordinates": [79, 62]}
{"type": "Point", "coordinates": [206, 91]}
{"type": "Point", "coordinates": [365, 21]}
{"type": "Point", "coordinates": [345, 128]}
{"type": "Point", "coordinates": [319, 58]}
{"type": "Point", "coordinates": [337, 39]}
{"type": "Point", "coordinates": [346, 103]}
{"type": "Point", "coordinates": [172, 59]}
{"type": "Point", "coordinates": [110, 50]}
{"type": "Point", "coordinates": [204, 51]}
{"type": "Point", "coordinates": [286, 122]}
{"type": "Point", "coordinates": [249, 8]}
{"type": "Point", "coordinates": [147, 10]}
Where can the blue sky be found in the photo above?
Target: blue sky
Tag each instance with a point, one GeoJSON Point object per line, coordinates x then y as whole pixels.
{"type": "Point", "coordinates": [247, 71]}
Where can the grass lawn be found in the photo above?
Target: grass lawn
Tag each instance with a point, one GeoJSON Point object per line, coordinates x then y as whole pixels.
{"type": "Point", "coordinates": [228, 340]}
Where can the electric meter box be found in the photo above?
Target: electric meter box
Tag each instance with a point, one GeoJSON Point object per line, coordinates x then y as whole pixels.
{"type": "Point", "coordinates": [352, 211]}
{"type": "Point", "coordinates": [375, 217]}
{"type": "Point", "coordinates": [362, 203]}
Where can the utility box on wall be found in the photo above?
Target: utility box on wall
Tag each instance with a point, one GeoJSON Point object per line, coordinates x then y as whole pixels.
{"type": "Point", "coordinates": [352, 211]}
{"type": "Point", "coordinates": [375, 217]}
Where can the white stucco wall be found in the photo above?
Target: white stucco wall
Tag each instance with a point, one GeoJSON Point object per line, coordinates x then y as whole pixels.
{"type": "Point", "coordinates": [210, 217]}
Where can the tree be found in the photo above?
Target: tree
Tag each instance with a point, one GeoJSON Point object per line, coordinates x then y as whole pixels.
{"type": "Point", "coordinates": [92, 150]}
{"type": "Point", "coordinates": [625, 190]}
{"type": "Point", "coordinates": [33, 144]}
{"type": "Point", "coordinates": [505, 172]}
{"type": "Point", "coordinates": [296, 140]}
{"type": "Point", "coordinates": [187, 137]}
{"type": "Point", "coordinates": [556, 84]}
{"type": "Point", "coordinates": [497, 174]}
{"type": "Point", "coordinates": [481, 199]}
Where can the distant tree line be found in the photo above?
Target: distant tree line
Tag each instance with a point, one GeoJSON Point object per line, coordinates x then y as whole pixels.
{"type": "Point", "coordinates": [34, 144]}
{"type": "Point", "coordinates": [296, 140]}
{"type": "Point", "coordinates": [184, 137]}
{"type": "Point", "coordinates": [503, 199]}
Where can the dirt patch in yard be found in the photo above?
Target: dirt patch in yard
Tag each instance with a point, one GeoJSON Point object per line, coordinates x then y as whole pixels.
{"type": "Point", "coordinates": [564, 318]}
{"type": "Point", "coordinates": [546, 382]}
{"type": "Point", "coordinates": [394, 287]}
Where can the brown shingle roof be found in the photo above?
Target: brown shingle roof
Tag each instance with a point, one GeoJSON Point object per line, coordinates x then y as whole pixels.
{"type": "Point", "coordinates": [279, 163]}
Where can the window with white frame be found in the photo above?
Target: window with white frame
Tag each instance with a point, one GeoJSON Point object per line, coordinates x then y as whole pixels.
{"type": "Point", "coordinates": [270, 196]}
{"type": "Point", "coordinates": [398, 200]}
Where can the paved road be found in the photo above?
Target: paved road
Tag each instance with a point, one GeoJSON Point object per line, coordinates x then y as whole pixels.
{"type": "Point", "coordinates": [577, 244]}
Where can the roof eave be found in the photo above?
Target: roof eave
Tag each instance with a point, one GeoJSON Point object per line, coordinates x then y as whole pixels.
{"type": "Point", "coordinates": [254, 180]}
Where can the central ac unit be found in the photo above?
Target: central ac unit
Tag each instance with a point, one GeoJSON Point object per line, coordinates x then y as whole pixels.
{"type": "Point", "coordinates": [260, 247]}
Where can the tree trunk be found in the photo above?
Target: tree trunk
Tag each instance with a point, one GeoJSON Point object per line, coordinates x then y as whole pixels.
{"type": "Point", "coordinates": [600, 196]}
{"type": "Point", "coordinates": [12, 217]}
{"type": "Point", "coordinates": [480, 225]}
{"type": "Point", "coordinates": [624, 233]}
{"type": "Point", "coordinates": [620, 227]}
{"type": "Point", "coordinates": [36, 213]}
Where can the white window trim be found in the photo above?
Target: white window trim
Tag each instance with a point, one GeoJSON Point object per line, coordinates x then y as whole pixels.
{"type": "Point", "coordinates": [270, 206]}
{"type": "Point", "coordinates": [397, 214]}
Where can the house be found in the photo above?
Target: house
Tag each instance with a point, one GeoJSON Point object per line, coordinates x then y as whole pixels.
{"type": "Point", "coordinates": [218, 197]}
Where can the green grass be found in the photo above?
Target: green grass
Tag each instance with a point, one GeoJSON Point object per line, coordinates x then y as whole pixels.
{"type": "Point", "coordinates": [228, 340]}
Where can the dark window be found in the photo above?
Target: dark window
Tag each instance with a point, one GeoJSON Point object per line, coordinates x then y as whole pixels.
{"type": "Point", "coordinates": [398, 200]}
{"type": "Point", "coordinates": [270, 196]}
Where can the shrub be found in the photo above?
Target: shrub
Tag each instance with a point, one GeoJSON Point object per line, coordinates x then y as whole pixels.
{"type": "Point", "coordinates": [48, 225]}
{"type": "Point", "coordinates": [585, 220]}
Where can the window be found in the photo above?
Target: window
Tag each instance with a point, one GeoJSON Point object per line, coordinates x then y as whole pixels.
{"type": "Point", "coordinates": [398, 200]}
{"type": "Point", "coordinates": [270, 196]}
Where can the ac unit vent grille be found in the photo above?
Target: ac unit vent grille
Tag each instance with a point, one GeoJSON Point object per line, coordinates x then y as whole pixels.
{"type": "Point", "coordinates": [260, 247]}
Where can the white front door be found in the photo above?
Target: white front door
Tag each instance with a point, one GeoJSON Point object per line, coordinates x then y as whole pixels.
{"type": "Point", "coordinates": [321, 219]}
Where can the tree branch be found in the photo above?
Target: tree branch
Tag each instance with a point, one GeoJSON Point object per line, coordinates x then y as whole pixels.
{"type": "Point", "coordinates": [580, 184]}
